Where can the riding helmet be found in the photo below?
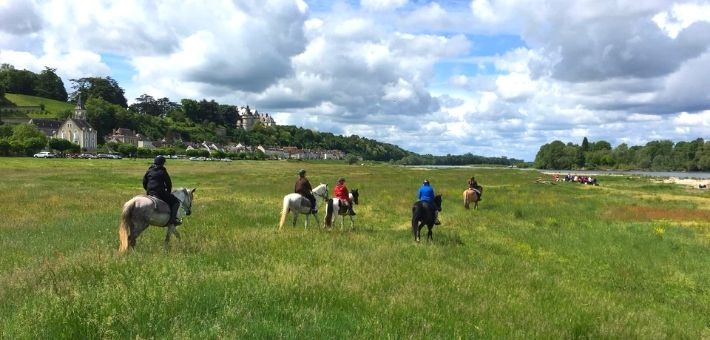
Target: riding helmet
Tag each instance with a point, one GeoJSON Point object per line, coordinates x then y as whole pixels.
{"type": "Point", "coordinates": [426, 181]}
{"type": "Point", "coordinates": [159, 160]}
{"type": "Point", "coordinates": [301, 172]}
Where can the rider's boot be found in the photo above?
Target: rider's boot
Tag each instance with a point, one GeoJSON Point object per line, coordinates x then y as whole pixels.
{"type": "Point", "coordinates": [173, 215]}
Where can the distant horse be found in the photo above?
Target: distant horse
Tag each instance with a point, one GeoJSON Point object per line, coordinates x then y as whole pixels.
{"type": "Point", "coordinates": [423, 213]}
{"type": "Point", "coordinates": [141, 211]}
{"type": "Point", "coordinates": [334, 204]}
{"type": "Point", "coordinates": [471, 195]}
{"type": "Point", "coordinates": [298, 204]}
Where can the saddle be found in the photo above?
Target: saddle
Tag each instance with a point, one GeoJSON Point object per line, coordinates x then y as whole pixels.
{"type": "Point", "coordinates": [157, 202]}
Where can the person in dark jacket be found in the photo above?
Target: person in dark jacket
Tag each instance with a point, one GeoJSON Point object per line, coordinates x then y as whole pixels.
{"type": "Point", "coordinates": [156, 182]}
{"type": "Point", "coordinates": [303, 187]}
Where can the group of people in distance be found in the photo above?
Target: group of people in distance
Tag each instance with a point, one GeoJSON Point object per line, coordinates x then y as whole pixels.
{"type": "Point", "coordinates": [157, 183]}
{"type": "Point", "coordinates": [578, 179]}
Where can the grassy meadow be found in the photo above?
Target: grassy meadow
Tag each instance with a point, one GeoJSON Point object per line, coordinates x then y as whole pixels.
{"type": "Point", "coordinates": [627, 259]}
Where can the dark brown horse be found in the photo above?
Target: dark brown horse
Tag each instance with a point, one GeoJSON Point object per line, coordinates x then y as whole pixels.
{"type": "Point", "coordinates": [423, 213]}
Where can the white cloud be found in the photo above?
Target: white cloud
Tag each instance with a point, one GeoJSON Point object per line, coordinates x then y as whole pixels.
{"type": "Point", "coordinates": [396, 70]}
{"type": "Point", "coordinates": [382, 5]}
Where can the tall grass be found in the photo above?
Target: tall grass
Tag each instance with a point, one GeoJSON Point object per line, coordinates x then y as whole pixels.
{"type": "Point", "coordinates": [543, 261]}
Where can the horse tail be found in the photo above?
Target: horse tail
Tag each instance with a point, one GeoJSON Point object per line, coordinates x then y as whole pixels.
{"type": "Point", "coordinates": [125, 225]}
{"type": "Point", "coordinates": [416, 217]}
{"type": "Point", "coordinates": [329, 213]}
{"type": "Point", "coordinates": [465, 199]}
{"type": "Point", "coordinates": [284, 212]}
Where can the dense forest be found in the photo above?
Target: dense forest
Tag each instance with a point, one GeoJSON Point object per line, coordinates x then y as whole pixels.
{"type": "Point", "coordinates": [655, 155]}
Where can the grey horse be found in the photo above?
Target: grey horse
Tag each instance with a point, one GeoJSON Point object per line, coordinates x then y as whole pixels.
{"type": "Point", "coordinates": [141, 211]}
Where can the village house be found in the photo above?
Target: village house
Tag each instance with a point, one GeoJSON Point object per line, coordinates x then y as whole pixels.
{"type": "Point", "coordinates": [48, 126]}
{"type": "Point", "coordinates": [77, 130]}
{"type": "Point", "coordinates": [123, 136]}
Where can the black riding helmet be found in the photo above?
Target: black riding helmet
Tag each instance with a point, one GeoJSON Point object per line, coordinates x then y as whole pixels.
{"type": "Point", "coordinates": [159, 160]}
{"type": "Point", "coordinates": [302, 172]}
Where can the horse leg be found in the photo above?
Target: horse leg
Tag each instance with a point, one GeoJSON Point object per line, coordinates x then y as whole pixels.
{"type": "Point", "coordinates": [430, 235]}
{"type": "Point", "coordinates": [295, 217]}
{"type": "Point", "coordinates": [308, 218]}
{"type": "Point", "coordinates": [171, 230]}
{"type": "Point", "coordinates": [135, 232]}
{"type": "Point", "coordinates": [352, 222]}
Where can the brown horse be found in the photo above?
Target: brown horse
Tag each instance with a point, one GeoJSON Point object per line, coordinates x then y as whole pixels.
{"type": "Point", "coordinates": [470, 195]}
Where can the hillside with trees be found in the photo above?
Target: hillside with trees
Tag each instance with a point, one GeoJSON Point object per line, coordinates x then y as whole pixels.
{"type": "Point", "coordinates": [192, 120]}
{"type": "Point", "coordinates": [655, 155]}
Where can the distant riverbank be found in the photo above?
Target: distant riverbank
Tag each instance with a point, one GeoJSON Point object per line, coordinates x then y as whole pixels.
{"type": "Point", "coordinates": [678, 174]}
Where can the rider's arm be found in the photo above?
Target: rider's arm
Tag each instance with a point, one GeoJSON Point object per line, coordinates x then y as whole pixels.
{"type": "Point", "coordinates": [168, 182]}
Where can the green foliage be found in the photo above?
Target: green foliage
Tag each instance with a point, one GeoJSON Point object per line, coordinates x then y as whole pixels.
{"type": "Point", "coordinates": [99, 88]}
{"type": "Point", "coordinates": [63, 145]}
{"type": "Point", "coordinates": [26, 140]}
{"type": "Point", "coordinates": [49, 85]}
{"type": "Point", "coordinates": [655, 155]}
{"type": "Point", "coordinates": [351, 159]}
{"type": "Point", "coordinates": [17, 81]}
{"type": "Point", "coordinates": [127, 150]}
{"type": "Point", "coordinates": [52, 107]}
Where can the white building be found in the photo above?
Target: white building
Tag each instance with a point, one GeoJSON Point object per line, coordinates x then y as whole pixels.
{"type": "Point", "coordinates": [77, 130]}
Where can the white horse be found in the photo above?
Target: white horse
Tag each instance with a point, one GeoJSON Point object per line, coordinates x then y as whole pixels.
{"type": "Point", "coordinates": [141, 211]}
{"type": "Point", "coordinates": [334, 205]}
{"type": "Point", "coordinates": [298, 204]}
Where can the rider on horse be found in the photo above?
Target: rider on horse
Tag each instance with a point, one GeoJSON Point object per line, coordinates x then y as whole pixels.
{"type": "Point", "coordinates": [473, 185]}
{"type": "Point", "coordinates": [426, 193]}
{"type": "Point", "coordinates": [156, 182]}
{"type": "Point", "coordinates": [303, 187]}
{"type": "Point", "coordinates": [341, 192]}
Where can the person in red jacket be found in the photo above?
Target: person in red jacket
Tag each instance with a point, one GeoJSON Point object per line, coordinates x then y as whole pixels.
{"type": "Point", "coordinates": [341, 192]}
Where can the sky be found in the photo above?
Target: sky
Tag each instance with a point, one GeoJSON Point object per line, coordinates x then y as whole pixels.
{"type": "Point", "coordinates": [489, 77]}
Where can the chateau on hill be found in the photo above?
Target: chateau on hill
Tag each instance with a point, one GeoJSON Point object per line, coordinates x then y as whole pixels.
{"type": "Point", "coordinates": [246, 119]}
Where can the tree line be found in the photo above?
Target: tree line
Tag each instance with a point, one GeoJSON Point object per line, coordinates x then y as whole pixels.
{"type": "Point", "coordinates": [196, 121]}
{"type": "Point", "coordinates": [45, 84]}
{"type": "Point", "coordinates": [655, 155]}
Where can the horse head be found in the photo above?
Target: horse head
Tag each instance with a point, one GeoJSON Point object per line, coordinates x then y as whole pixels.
{"type": "Point", "coordinates": [321, 190]}
{"type": "Point", "coordinates": [185, 197]}
{"type": "Point", "coordinates": [354, 194]}
{"type": "Point", "coordinates": [437, 200]}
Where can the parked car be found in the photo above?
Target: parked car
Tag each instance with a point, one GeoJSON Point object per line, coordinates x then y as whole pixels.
{"type": "Point", "coordinates": [87, 156]}
{"type": "Point", "coordinates": [44, 154]}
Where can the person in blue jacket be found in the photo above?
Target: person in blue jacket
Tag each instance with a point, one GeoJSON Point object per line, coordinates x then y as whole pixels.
{"type": "Point", "coordinates": [426, 193]}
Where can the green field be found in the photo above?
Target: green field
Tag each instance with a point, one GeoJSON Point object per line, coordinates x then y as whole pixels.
{"type": "Point", "coordinates": [51, 107]}
{"type": "Point", "coordinates": [627, 259]}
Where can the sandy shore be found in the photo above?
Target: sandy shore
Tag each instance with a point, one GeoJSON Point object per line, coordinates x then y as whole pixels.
{"type": "Point", "coordinates": [691, 182]}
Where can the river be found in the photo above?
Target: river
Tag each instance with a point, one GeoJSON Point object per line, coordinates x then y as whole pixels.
{"type": "Point", "coordinates": [678, 174]}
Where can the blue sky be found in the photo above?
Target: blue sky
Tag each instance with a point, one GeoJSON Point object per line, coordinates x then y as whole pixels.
{"type": "Point", "coordinates": [482, 76]}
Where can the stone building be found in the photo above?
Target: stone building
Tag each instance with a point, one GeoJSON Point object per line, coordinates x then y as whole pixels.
{"type": "Point", "coordinates": [77, 130]}
{"type": "Point", "coordinates": [123, 135]}
{"type": "Point", "coordinates": [246, 119]}
{"type": "Point", "coordinates": [48, 126]}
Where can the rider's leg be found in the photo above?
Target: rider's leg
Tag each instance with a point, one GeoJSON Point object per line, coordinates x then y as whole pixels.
{"type": "Point", "coordinates": [312, 199]}
{"type": "Point", "coordinates": [174, 204]}
{"type": "Point", "coordinates": [350, 208]}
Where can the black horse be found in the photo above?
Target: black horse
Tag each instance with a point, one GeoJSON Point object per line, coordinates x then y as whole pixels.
{"type": "Point", "coordinates": [423, 213]}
